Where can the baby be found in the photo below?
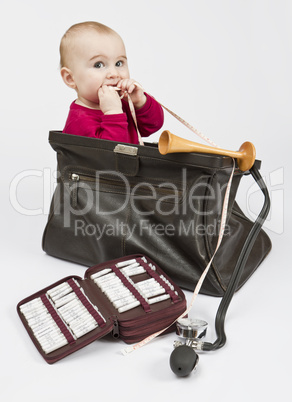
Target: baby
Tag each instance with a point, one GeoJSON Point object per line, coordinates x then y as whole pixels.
{"type": "Point", "coordinates": [94, 63]}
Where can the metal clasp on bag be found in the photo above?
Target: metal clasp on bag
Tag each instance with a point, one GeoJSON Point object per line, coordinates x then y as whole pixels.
{"type": "Point", "coordinates": [126, 149]}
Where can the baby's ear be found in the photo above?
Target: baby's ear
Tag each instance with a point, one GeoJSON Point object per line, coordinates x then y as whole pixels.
{"type": "Point", "coordinates": [68, 77]}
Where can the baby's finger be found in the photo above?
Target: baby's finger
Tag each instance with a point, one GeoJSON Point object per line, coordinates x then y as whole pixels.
{"type": "Point", "coordinates": [131, 88]}
{"type": "Point", "coordinates": [120, 84]}
{"type": "Point", "coordinates": [125, 83]}
{"type": "Point", "coordinates": [103, 89]}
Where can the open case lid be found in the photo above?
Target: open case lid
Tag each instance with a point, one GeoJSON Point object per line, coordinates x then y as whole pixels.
{"type": "Point", "coordinates": [131, 326]}
{"type": "Point", "coordinates": [73, 344]}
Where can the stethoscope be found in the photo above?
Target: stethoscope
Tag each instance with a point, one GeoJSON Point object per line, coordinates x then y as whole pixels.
{"type": "Point", "coordinates": [184, 359]}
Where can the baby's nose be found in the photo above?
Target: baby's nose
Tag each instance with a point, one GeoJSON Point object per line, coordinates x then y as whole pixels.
{"type": "Point", "coordinates": [112, 72]}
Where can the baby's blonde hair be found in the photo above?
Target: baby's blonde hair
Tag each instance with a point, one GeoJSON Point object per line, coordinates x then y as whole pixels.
{"type": "Point", "coordinates": [66, 41]}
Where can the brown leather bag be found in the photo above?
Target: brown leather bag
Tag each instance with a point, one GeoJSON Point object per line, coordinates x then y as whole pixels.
{"type": "Point", "coordinates": [117, 199]}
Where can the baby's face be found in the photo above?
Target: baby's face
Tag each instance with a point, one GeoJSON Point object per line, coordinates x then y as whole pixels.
{"type": "Point", "coordinates": [96, 60]}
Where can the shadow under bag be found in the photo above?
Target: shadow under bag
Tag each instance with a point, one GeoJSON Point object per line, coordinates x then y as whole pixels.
{"type": "Point", "coordinates": [115, 199]}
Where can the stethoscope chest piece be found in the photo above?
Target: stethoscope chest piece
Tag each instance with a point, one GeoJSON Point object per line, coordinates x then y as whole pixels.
{"type": "Point", "coordinates": [184, 359]}
{"type": "Point", "coordinates": [190, 328]}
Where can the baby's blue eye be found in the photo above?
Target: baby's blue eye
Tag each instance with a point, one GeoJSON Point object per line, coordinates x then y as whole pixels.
{"type": "Point", "coordinates": [119, 63]}
{"type": "Point", "coordinates": [98, 64]}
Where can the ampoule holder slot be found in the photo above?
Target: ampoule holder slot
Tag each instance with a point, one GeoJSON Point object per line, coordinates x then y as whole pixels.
{"type": "Point", "coordinates": [130, 297]}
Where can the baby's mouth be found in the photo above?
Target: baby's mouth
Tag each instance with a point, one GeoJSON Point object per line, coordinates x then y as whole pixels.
{"type": "Point", "coordinates": [112, 84]}
{"type": "Point", "coordinates": [114, 87]}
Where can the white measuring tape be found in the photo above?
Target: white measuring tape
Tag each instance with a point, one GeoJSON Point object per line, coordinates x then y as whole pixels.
{"type": "Point", "coordinates": [130, 349]}
{"type": "Point", "coordinates": [185, 123]}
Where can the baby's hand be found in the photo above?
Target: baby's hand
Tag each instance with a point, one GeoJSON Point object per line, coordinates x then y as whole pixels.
{"type": "Point", "coordinates": [109, 100]}
{"type": "Point", "coordinates": [136, 93]}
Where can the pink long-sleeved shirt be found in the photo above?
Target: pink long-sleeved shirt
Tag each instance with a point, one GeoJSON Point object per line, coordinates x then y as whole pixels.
{"type": "Point", "coordinates": [116, 127]}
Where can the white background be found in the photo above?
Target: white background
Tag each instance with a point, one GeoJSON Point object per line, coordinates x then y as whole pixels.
{"type": "Point", "coordinates": [224, 66]}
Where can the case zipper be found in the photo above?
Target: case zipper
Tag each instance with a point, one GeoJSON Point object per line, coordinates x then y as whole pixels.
{"type": "Point", "coordinates": [136, 334]}
{"type": "Point", "coordinates": [132, 332]}
{"type": "Point", "coordinates": [158, 315]}
{"type": "Point", "coordinates": [115, 331]}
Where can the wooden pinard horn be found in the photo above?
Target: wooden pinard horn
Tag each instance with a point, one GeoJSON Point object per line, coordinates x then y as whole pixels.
{"type": "Point", "coordinates": [170, 143]}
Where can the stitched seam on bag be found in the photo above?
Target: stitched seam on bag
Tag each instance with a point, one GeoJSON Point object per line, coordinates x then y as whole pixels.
{"type": "Point", "coordinates": [141, 156]}
{"type": "Point", "coordinates": [185, 163]}
{"type": "Point", "coordinates": [81, 146]}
